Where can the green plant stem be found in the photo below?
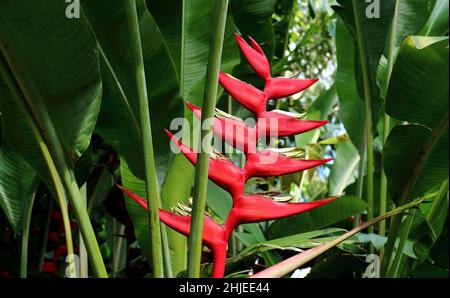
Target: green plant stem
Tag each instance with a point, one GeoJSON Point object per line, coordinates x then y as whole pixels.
{"type": "Point", "coordinates": [118, 245]}
{"type": "Point", "coordinates": [367, 108]}
{"type": "Point", "coordinates": [167, 262]}
{"type": "Point", "coordinates": [386, 124]}
{"type": "Point", "coordinates": [360, 182]}
{"type": "Point", "coordinates": [26, 220]}
{"type": "Point", "coordinates": [83, 256]}
{"type": "Point", "coordinates": [151, 181]}
{"type": "Point", "coordinates": [292, 263]}
{"type": "Point", "coordinates": [419, 163]}
{"type": "Point", "coordinates": [394, 269]}
{"type": "Point", "coordinates": [202, 168]}
{"type": "Point", "coordinates": [45, 236]}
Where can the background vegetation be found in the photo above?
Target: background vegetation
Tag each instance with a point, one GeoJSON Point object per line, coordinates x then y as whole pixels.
{"type": "Point", "coordinates": [70, 131]}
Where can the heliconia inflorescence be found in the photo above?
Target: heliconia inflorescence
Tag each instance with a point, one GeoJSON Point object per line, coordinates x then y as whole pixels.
{"type": "Point", "coordinates": [222, 171]}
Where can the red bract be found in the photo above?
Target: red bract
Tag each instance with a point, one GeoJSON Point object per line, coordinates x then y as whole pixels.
{"type": "Point", "coordinates": [275, 88]}
{"type": "Point", "coordinates": [222, 171]}
{"type": "Point", "coordinates": [263, 163]}
{"type": "Point", "coordinates": [268, 163]}
{"type": "Point", "coordinates": [213, 233]}
{"type": "Point", "coordinates": [233, 131]}
{"type": "Point", "coordinates": [256, 208]}
{"type": "Point", "coordinates": [236, 133]}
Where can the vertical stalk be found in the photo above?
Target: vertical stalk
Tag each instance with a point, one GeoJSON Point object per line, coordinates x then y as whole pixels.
{"type": "Point", "coordinates": [118, 245]}
{"type": "Point", "coordinates": [360, 183]}
{"type": "Point", "coordinates": [45, 236]}
{"type": "Point", "coordinates": [394, 269]}
{"type": "Point", "coordinates": [83, 252]}
{"type": "Point", "coordinates": [367, 108]}
{"type": "Point", "coordinates": [26, 220]}
{"type": "Point", "coordinates": [151, 181]}
{"type": "Point", "coordinates": [202, 168]}
{"type": "Point", "coordinates": [390, 53]}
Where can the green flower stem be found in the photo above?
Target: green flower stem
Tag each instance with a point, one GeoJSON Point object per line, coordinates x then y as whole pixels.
{"type": "Point", "coordinates": [390, 57]}
{"type": "Point", "coordinates": [26, 220]}
{"type": "Point", "coordinates": [151, 181]}
{"type": "Point", "coordinates": [202, 168]}
{"type": "Point", "coordinates": [367, 108]}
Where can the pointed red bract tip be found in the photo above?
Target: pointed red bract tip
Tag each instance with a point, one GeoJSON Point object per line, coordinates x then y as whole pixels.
{"type": "Point", "coordinates": [141, 201]}
{"type": "Point", "coordinates": [256, 46]}
{"type": "Point", "coordinates": [195, 109]}
{"type": "Point", "coordinates": [247, 95]}
{"type": "Point", "coordinates": [281, 125]}
{"type": "Point", "coordinates": [268, 163]}
{"type": "Point", "coordinates": [283, 87]}
{"type": "Point", "coordinates": [255, 57]}
{"type": "Point", "coordinates": [255, 208]}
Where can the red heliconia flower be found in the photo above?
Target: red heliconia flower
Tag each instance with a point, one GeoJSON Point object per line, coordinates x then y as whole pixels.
{"type": "Point", "coordinates": [248, 208]}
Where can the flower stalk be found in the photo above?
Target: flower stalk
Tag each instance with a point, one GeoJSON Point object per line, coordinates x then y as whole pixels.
{"type": "Point", "coordinates": [202, 168]}
{"type": "Point", "coordinates": [151, 182]}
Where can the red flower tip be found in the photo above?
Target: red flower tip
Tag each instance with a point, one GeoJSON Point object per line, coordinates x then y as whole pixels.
{"type": "Point", "coordinates": [249, 96]}
{"type": "Point", "coordinates": [141, 201]}
{"type": "Point", "coordinates": [255, 208]}
{"type": "Point", "coordinates": [195, 109]}
{"type": "Point", "coordinates": [268, 163]}
{"type": "Point", "coordinates": [284, 87]}
{"type": "Point", "coordinates": [256, 46]}
{"type": "Point", "coordinates": [285, 125]}
{"type": "Point", "coordinates": [255, 56]}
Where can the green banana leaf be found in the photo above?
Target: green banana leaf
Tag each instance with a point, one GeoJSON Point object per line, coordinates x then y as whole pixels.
{"type": "Point", "coordinates": [420, 150]}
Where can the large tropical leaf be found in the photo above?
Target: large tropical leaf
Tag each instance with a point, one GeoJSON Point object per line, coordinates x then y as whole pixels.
{"type": "Point", "coordinates": [186, 27]}
{"type": "Point", "coordinates": [344, 169]}
{"type": "Point", "coordinates": [17, 185]}
{"type": "Point", "coordinates": [420, 151]}
{"type": "Point", "coordinates": [58, 74]}
{"type": "Point", "coordinates": [54, 80]}
{"type": "Point", "coordinates": [118, 120]}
